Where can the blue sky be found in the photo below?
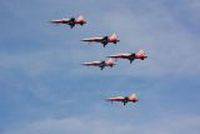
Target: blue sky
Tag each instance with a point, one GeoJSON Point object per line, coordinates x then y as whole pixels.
{"type": "Point", "coordinates": [45, 90]}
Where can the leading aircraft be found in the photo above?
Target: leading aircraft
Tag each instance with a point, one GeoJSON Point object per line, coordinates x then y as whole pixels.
{"type": "Point", "coordinates": [102, 64]}
{"type": "Point", "coordinates": [70, 21]}
{"type": "Point", "coordinates": [113, 38]}
{"type": "Point", "coordinates": [132, 98]}
{"type": "Point", "coordinates": [130, 56]}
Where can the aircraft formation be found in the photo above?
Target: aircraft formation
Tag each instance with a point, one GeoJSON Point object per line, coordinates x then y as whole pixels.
{"type": "Point", "coordinates": [111, 60]}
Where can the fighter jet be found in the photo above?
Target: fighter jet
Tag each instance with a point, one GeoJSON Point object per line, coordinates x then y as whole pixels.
{"type": "Point", "coordinates": [70, 21]}
{"type": "Point", "coordinates": [103, 39]}
{"type": "Point", "coordinates": [102, 64]}
{"type": "Point", "coordinates": [132, 98]}
{"type": "Point", "coordinates": [130, 56]}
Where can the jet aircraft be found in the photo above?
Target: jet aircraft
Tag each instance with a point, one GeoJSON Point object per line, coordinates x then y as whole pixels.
{"type": "Point", "coordinates": [130, 56]}
{"type": "Point", "coordinates": [103, 39]}
{"type": "Point", "coordinates": [70, 21]}
{"type": "Point", "coordinates": [132, 98]}
{"type": "Point", "coordinates": [102, 64]}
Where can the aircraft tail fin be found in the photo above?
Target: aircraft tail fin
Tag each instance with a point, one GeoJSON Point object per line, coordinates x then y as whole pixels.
{"type": "Point", "coordinates": [133, 96]}
{"type": "Point", "coordinates": [80, 18]}
{"type": "Point", "coordinates": [114, 36]}
{"type": "Point", "coordinates": [141, 52]}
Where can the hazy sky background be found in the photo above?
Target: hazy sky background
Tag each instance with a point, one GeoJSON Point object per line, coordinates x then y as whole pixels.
{"type": "Point", "coordinates": [45, 90]}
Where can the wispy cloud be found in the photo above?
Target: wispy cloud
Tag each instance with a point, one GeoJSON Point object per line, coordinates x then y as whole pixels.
{"type": "Point", "coordinates": [171, 124]}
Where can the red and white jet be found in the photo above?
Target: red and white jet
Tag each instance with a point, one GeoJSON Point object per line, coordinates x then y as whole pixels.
{"type": "Point", "coordinates": [103, 39]}
{"type": "Point", "coordinates": [102, 64]}
{"type": "Point", "coordinates": [132, 98]}
{"type": "Point", "coordinates": [70, 21]}
{"type": "Point", "coordinates": [130, 56]}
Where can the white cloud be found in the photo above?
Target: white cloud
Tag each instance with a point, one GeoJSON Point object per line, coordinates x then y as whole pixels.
{"type": "Point", "coordinates": [167, 125]}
